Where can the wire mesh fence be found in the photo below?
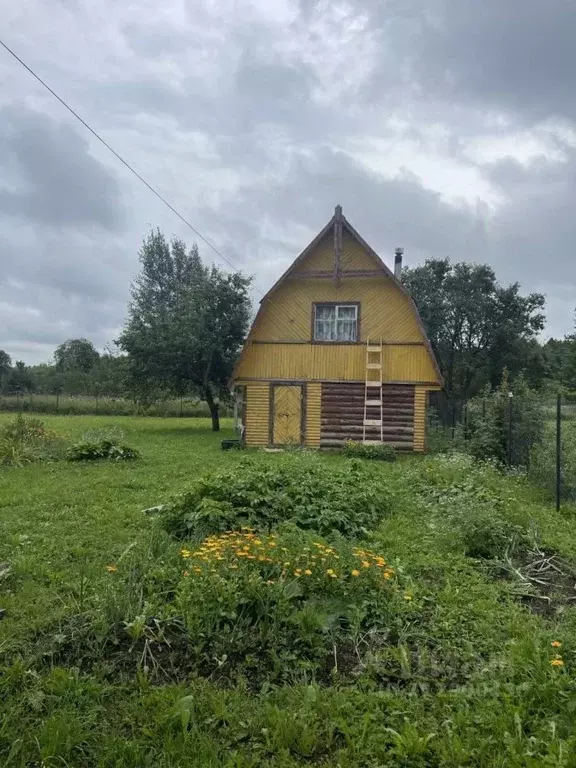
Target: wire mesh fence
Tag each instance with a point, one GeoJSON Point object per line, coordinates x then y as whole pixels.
{"type": "Point", "coordinates": [524, 430]}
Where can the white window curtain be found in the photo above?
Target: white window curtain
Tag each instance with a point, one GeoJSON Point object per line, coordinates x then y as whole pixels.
{"type": "Point", "coordinates": [336, 322]}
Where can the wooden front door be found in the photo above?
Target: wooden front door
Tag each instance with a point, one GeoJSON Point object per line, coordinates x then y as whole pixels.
{"type": "Point", "coordinates": [287, 415]}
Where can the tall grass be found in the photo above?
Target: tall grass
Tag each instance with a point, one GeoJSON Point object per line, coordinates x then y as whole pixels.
{"type": "Point", "coordinates": [80, 405]}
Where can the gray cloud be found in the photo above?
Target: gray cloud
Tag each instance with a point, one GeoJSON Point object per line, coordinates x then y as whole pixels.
{"type": "Point", "coordinates": [57, 181]}
{"type": "Point", "coordinates": [448, 127]}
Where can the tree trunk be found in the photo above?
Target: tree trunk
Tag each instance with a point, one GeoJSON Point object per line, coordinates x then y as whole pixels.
{"type": "Point", "coordinates": [213, 408]}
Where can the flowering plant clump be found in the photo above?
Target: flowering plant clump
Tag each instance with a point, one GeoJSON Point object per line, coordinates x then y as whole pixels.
{"type": "Point", "coordinates": [273, 604]}
{"type": "Point", "coordinates": [229, 551]}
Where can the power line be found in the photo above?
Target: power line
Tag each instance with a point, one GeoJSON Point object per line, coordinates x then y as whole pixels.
{"type": "Point", "coordinates": [124, 162]}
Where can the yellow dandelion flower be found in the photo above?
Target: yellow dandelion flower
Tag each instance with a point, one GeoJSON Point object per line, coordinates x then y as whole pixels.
{"type": "Point", "coordinates": [333, 575]}
{"type": "Point", "coordinates": [298, 572]}
{"type": "Point", "coordinates": [329, 571]}
{"type": "Point", "coordinates": [240, 553]}
{"type": "Point", "coordinates": [286, 564]}
{"type": "Point", "coordinates": [557, 662]}
{"type": "Point", "coordinates": [111, 568]}
{"type": "Point", "coordinates": [307, 572]}
{"type": "Point", "coordinates": [271, 543]}
{"type": "Point", "coordinates": [365, 563]}
{"type": "Point", "coordinates": [556, 644]}
{"type": "Point", "coordinates": [257, 542]}
{"type": "Point", "coordinates": [355, 572]}
{"type": "Point", "coordinates": [185, 553]}
{"type": "Point", "coordinates": [387, 575]}
{"type": "Point", "coordinates": [408, 597]}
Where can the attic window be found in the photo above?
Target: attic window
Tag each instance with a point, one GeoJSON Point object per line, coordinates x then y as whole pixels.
{"type": "Point", "coordinates": [335, 322]}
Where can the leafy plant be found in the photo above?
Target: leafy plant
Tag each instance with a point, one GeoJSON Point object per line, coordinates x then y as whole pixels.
{"type": "Point", "coordinates": [505, 424]}
{"type": "Point", "coordinates": [105, 448]}
{"type": "Point", "coordinates": [301, 490]}
{"type": "Point", "coordinates": [26, 441]}
{"type": "Point", "coordinates": [359, 450]}
{"type": "Point", "coordinates": [543, 462]}
{"type": "Point", "coordinates": [489, 536]}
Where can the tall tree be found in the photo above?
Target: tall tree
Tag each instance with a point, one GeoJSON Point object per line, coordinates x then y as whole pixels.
{"type": "Point", "coordinates": [76, 355]}
{"type": "Point", "coordinates": [20, 381]}
{"type": "Point", "coordinates": [477, 328]}
{"type": "Point", "coordinates": [5, 366]}
{"type": "Point", "coordinates": [186, 322]}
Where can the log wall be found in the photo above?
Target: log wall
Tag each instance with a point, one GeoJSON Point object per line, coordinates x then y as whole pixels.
{"type": "Point", "coordinates": [342, 415]}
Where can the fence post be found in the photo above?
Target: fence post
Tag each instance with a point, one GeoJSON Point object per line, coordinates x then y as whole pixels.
{"type": "Point", "coordinates": [558, 450]}
{"type": "Point", "coordinates": [510, 397]}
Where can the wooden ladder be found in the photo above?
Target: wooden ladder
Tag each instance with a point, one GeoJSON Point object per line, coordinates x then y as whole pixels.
{"type": "Point", "coordinates": [373, 389]}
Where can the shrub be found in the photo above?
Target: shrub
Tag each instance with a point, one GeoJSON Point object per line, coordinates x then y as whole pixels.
{"type": "Point", "coordinates": [486, 433]}
{"type": "Point", "coordinates": [303, 490]}
{"type": "Point", "coordinates": [92, 450]}
{"type": "Point", "coordinates": [25, 441]}
{"type": "Point", "coordinates": [543, 462]}
{"type": "Point", "coordinates": [358, 450]}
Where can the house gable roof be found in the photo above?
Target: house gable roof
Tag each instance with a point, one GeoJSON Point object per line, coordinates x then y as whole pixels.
{"type": "Point", "coordinates": [331, 227]}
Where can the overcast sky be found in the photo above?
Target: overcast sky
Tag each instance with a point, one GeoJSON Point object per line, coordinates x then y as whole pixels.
{"type": "Point", "coordinates": [444, 126]}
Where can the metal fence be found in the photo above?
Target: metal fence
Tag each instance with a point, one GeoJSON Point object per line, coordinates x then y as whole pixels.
{"type": "Point", "coordinates": [538, 435]}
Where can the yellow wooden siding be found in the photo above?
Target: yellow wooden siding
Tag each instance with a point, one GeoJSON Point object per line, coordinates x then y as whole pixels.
{"type": "Point", "coordinates": [354, 256]}
{"type": "Point", "coordinates": [339, 362]}
{"type": "Point", "coordinates": [256, 417]}
{"type": "Point", "coordinates": [287, 415]}
{"type": "Point", "coordinates": [313, 414]}
{"type": "Point", "coordinates": [385, 311]}
{"type": "Point", "coordinates": [419, 419]}
{"type": "Point", "coordinates": [322, 258]}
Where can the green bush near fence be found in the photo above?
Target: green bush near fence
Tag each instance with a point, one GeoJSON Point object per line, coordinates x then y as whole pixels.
{"type": "Point", "coordinates": [379, 452]}
{"type": "Point", "coordinates": [106, 406]}
{"type": "Point", "coordinates": [543, 461]}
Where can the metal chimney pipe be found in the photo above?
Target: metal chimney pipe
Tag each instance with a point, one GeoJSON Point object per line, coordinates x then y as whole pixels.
{"type": "Point", "coordinates": [398, 263]}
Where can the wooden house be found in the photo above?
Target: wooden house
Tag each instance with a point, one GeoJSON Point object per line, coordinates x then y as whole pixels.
{"type": "Point", "coordinates": [337, 352]}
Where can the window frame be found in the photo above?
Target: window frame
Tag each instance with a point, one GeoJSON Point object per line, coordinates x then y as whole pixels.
{"type": "Point", "coordinates": [355, 304]}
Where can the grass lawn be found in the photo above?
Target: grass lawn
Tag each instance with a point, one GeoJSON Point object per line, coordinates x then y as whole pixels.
{"type": "Point", "coordinates": [453, 665]}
